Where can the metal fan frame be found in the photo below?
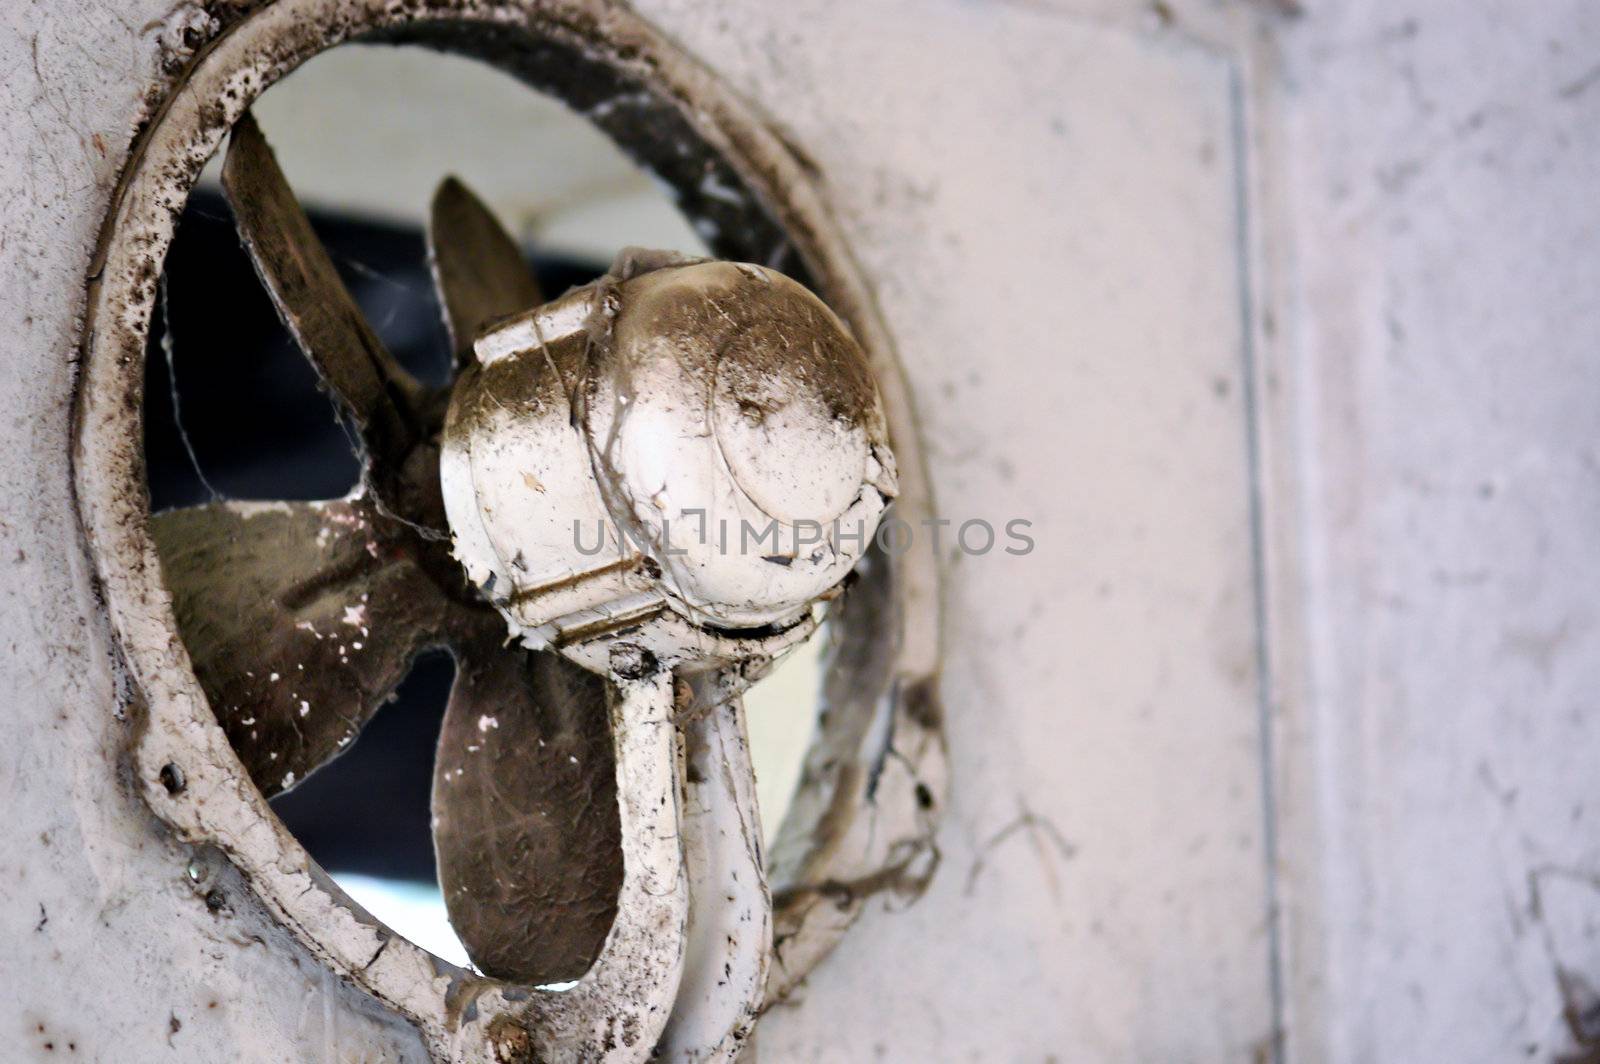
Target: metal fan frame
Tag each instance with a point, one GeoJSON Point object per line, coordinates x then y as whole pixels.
{"type": "Point", "coordinates": [862, 822]}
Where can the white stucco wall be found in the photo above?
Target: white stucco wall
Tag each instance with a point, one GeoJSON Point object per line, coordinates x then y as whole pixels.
{"type": "Point", "coordinates": [1048, 199]}
{"type": "Point", "coordinates": [110, 950]}
{"type": "Point", "coordinates": [1443, 161]}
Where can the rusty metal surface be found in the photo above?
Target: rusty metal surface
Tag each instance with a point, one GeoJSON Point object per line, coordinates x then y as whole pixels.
{"type": "Point", "coordinates": [386, 404]}
{"type": "Point", "coordinates": [478, 269]}
{"type": "Point", "coordinates": [301, 619]}
{"type": "Point", "coordinates": [525, 813]}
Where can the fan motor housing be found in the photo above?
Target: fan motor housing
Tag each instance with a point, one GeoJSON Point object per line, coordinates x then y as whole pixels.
{"type": "Point", "coordinates": [697, 436]}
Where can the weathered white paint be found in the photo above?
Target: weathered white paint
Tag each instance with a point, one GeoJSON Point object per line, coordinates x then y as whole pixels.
{"type": "Point", "coordinates": [600, 408]}
{"type": "Point", "coordinates": [729, 947]}
{"type": "Point", "coordinates": [194, 782]}
{"type": "Point", "coordinates": [593, 432]}
{"type": "Point", "coordinates": [110, 950]}
{"type": "Point", "coordinates": [1045, 197]}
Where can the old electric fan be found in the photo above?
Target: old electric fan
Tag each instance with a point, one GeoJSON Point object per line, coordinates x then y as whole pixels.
{"type": "Point", "coordinates": [625, 505]}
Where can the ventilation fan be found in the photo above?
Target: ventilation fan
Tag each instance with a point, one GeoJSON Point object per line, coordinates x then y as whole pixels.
{"type": "Point", "coordinates": [627, 503]}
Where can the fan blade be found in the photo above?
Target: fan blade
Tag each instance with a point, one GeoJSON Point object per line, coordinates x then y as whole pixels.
{"type": "Point", "coordinates": [300, 619]}
{"type": "Point", "coordinates": [525, 819]}
{"type": "Point", "coordinates": [380, 396]}
{"type": "Point", "coordinates": [477, 267]}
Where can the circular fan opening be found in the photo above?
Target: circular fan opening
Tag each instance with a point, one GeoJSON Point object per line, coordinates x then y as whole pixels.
{"type": "Point", "coordinates": [363, 134]}
{"type": "Point", "coordinates": [872, 785]}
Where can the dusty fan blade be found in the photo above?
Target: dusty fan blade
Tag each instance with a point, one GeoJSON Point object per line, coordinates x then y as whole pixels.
{"type": "Point", "coordinates": [300, 618]}
{"type": "Point", "coordinates": [477, 267]}
{"type": "Point", "coordinates": [380, 397]}
{"type": "Point", "coordinates": [525, 821]}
